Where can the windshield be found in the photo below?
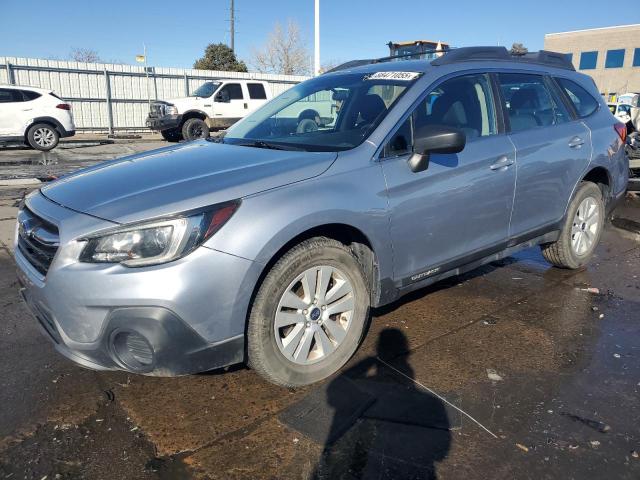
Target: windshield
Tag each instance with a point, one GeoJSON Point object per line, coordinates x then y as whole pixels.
{"type": "Point", "coordinates": [206, 89]}
{"type": "Point", "coordinates": [326, 113]}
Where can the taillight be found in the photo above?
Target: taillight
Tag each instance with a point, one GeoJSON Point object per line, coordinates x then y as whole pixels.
{"type": "Point", "coordinates": [63, 106]}
{"type": "Point", "coordinates": [621, 128]}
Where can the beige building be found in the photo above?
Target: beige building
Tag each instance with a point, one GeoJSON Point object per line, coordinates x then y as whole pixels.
{"type": "Point", "coordinates": [610, 55]}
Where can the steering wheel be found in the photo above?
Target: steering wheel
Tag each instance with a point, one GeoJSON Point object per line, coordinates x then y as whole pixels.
{"type": "Point", "coordinates": [306, 125]}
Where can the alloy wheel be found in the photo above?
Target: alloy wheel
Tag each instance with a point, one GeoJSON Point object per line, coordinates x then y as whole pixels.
{"type": "Point", "coordinates": [314, 315]}
{"type": "Point", "coordinates": [586, 223]}
{"type": "Point", "coordinates": [44, 137]}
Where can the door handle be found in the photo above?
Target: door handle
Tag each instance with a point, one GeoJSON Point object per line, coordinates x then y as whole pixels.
{"type": "Point", "coordinates": [502, 163]}
{"type": "Point", "coordinates": [576, 142]}
{"type": "Point", "coordinates": [27, 109]}
{"type": "Point", "coordinates": [246, 106]}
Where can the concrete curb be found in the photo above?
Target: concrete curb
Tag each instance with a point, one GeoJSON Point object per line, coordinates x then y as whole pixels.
{"type": "Point", "coordinates": [19, 182]}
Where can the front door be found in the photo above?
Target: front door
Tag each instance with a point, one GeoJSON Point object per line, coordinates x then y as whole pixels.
{"type": "Point", "coordinates": [458, 209]}
{"type": "Point", "coordinates": [552, 150]}
{"type": "Point", "coordinates": [230, 102]}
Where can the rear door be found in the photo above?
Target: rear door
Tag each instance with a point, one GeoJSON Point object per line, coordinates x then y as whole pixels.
{"type": "Point", "coordinates": [257, 95]}
{"type": "Point", "coordinates": [552, 151]}
{"type": "Point", "coordinates": [458, 209]}
{"type": "Point", "coordinates": [230, 102]}
{"type": "Point", "coordinates": [13, 112]}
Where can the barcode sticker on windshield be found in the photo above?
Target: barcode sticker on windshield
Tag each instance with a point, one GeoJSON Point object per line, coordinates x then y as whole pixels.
{"type": "Point", "coordinates": [402, 76]}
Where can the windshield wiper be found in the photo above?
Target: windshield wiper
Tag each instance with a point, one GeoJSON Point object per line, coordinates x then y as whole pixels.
{"type": "Point", "coordinates": [268, 145]}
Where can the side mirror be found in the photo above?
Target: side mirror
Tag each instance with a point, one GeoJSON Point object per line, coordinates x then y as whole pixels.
{"type": "Point", "coordinates": [223, 97]}
{"type": "Point", "coordinates": [434, 139]}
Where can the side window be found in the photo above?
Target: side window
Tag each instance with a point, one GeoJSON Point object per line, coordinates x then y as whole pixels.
{"type": "Point", "coordinates": [402, 141]}
{"type": "Point", "coordinates": [462, 102]}
{"type": "Point", "coordinates": [582, 100]}
{"type": "Point", "coordinates": [29, 95]}
{"type": "Point", "coordinates": [234, 90]}
{"type": "Point", "coordinates": [256, 91]}
{"type": "Point", "coordinates": [8, 95]}
{"type": "Point", "coordinates": [528, 102]}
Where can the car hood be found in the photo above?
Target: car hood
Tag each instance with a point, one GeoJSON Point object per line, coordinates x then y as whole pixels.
{"type": "Point", "coordinates": [181, 178]}
{"type": "Point", "coordinates": [188, 103]}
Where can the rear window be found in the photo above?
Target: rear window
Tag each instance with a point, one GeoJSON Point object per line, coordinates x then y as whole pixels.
{"type": "Point", "coordinates": [8, 95]}
{"type": "Point", "coordinates": [29, 95]}
{"type": "Point", "coordinates": [256, 91]}
{"type": "Point", "coordinates": [582, 100]}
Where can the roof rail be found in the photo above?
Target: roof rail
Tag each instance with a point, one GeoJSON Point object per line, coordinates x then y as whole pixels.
{"type": "Point", "coordinates": [470, 54]}
{"type": "Point", "coordinates": [358, 63]}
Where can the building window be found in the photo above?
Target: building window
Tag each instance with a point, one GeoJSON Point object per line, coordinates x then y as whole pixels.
{"type": "Point", "coordinates": [615, 59]}
{"type": "Point", "coordinates": [636, 57]}
{"type": "Point", "coordinates": [588, 60]}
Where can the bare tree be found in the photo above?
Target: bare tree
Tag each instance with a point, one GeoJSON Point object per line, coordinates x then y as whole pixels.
{"type": "Point", "coordinates": [84, 55]}
{"type": "Point", "coordinates": [285, 52]}
{"type": "Point", "coordinates": [330, 64]}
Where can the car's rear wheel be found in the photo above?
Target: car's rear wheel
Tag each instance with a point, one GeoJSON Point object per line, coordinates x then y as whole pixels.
{"type": "Point", "coordinates": [581, 231]}
{"type": "Point", "coordinates": [42, 136]}
{"type": "Point", "coordinates": [171, 135]}
{"type": "Point", "coordinates": [195, 128]}
{"type": "Point", "coordinates": [309, 314]}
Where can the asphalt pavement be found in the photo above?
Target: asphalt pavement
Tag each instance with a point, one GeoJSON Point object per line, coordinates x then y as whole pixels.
{"type": "Point", "coordinates": [515, 370]}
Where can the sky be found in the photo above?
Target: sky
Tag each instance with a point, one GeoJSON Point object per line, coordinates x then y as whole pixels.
{"type": "Point", "coordinates": [176, 32]}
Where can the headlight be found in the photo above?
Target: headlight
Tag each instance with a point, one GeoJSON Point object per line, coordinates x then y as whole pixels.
{"type": "Point", "coordinates": [160, 241]}
{"type": "Point", "coordinates": [170, 110]}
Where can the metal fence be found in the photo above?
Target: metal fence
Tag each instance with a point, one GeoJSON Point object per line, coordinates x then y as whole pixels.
{"type": "Point", "coordinates": [111, 97]}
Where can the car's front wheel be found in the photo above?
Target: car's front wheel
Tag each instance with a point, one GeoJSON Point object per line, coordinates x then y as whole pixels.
{"type": "Point", "coordinates": [581, 231]}
{"type": "Point", "coordinates": [42, 136]}
{"type": "Point", "coordinates": [309, 314]}
{"type": "Point", "coordinates": [195, 128]}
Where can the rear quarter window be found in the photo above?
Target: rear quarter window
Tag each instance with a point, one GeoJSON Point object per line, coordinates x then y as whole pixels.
{"type": "Point", "coordinates": [29, 95]}
{"type": "Point", "coordinates": [582, 100]}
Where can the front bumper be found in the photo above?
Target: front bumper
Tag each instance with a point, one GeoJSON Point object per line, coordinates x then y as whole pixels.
{"type": "Point", "coordinates": [191, 313]}
{"type": "Point", "coordinates": [165, 122]}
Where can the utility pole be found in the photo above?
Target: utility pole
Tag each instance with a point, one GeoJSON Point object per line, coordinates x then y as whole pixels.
{"type": "Point", "coordinates": [233, 26]}
{"type": "Point", "coordinates": [316, 56]}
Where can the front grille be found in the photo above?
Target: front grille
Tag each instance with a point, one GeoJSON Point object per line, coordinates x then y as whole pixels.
{"type": "Point", "coordinates": [38, 240]}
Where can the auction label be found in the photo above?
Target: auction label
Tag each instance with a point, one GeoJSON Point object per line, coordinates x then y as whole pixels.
{"type": "Point", "coordinates": [402, 76]}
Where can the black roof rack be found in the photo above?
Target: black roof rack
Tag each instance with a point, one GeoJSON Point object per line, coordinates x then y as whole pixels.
{"type": "Point", "coordinates": [471, 54]}
{"type": "Point", "coordinates": [358, 63]}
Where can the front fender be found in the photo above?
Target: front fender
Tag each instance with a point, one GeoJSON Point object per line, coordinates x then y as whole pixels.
{"type": "Point", "coordinates": [266, 222]}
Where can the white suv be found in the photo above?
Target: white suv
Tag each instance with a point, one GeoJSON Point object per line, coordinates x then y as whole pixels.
{"type": "Point", "coordinates": [35, 116]}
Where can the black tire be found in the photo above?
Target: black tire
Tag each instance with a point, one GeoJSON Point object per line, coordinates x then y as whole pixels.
{"type": "Point", "coordinates": [264, 355]}
{"type": "Point", "coordinates": [561, 253]}
{"type": "Point", "coordinates": [195, 128]}
{"type": "Point", "coordinates": [171, 135]}
{"type": "Point", "coordinates": [43, 137]}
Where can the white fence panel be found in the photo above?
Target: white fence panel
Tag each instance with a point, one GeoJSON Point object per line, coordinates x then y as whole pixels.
{"type": "Point", "coordinates": [110, 97]}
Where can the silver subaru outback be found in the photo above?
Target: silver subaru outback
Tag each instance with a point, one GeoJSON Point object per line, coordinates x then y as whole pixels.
{"type": "Point", "coordinates": [344, 193]}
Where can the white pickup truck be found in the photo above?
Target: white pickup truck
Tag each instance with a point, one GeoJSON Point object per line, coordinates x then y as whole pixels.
{"type": "Point", "coordinates": [214, 105]}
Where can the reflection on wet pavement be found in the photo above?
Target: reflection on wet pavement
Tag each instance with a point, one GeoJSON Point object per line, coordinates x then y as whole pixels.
{"type": "Point", "coordinates": [70, 155]}
{"type": "Point", "coordinates": [534, 354]}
